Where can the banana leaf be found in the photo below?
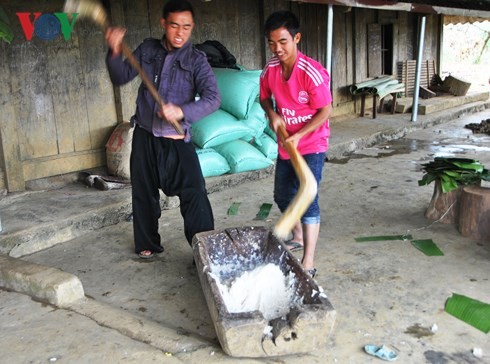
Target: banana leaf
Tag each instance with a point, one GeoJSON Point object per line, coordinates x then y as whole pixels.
{"type": "Point", "coordinates": [469, 310]}
{"type": "Point", "coordinates": [448, 183]}
{"type": "Point", "coordinates": [453, 172]}
{"type": "Point", "coordinates": [363, 239]}
{"type": "Point", "coordinates": [263, 213]}
{"type": "Point", "coordinates": [470, 165]}
{"type": "Point", "coordinates": [428, 247]}
{"type": "Point", "coordinates": [427, 179]}
{"type": "Point", "coordinates": [233, 210]}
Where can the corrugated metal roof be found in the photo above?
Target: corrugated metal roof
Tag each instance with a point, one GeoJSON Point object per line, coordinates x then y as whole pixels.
{"type": "Point", "coordinates": [467, 8]}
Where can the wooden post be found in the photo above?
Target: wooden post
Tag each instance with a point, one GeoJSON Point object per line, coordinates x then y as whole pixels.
{"type": "Point", "coordinates": [474, 213]}
{"type": "Point", "coordinates": [427, 71]}
{"type": "Point", "coordinates": [363, 103]}
{"type": "Point", "coordinates": [405, 64]}
{"type": "Point", "coordinates": [393, 105]}
{"type": "Point", "coordinates": [375, 99]}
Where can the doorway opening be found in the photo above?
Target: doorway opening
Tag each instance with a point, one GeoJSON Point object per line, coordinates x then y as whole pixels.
{"type": "Point", "coordinates": [387, 49]}
{"type": "Point", "coordinates": [380, 46]}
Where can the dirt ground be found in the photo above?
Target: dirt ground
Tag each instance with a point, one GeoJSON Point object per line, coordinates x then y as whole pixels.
{"type": "Point", "coordinates": [384, 292]}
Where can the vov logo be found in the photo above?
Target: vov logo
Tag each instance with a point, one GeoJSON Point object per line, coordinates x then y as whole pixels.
{"type": "Point", "coordinates": [46, 26]}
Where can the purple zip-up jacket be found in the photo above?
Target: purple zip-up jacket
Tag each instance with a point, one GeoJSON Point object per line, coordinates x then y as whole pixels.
{"type": "Point", "coordinates": [179, 76]}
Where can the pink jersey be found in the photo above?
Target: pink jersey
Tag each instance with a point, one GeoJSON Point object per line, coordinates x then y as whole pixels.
{"type": "Point", "coordinates": [298, 99]}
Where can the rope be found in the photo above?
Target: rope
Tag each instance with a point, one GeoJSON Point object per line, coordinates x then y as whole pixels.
{"type": "Point", "coordinates": [433, 222]}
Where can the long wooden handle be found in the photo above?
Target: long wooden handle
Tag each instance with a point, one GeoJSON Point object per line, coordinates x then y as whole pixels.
{"type": "Point", "coordinates": [153, 91]}
{"type": "Point", "coordinates": [306, 192]}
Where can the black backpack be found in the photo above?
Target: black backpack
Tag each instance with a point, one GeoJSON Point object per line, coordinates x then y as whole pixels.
{"type": "Point", "coordinates": [218, 55]}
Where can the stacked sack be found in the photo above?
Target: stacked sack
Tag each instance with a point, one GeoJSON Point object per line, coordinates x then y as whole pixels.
{"type": "Point", "coordinates": [235, 138]}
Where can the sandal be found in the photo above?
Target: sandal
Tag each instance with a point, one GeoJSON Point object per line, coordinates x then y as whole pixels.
{"type": "Point", "coordinates": [146, 254]}
{"type": "Point", "coordinates": [381, 352]}
{"type": "Point", "coordinates": [312, 272]}
{"type": "Point", "coordinates": [294, 246]}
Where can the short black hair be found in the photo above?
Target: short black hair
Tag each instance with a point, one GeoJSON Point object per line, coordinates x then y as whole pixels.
{"type": "Point", "coordinates": [279, 19]}
{"type": "Point", "coordinates": [177, 6]}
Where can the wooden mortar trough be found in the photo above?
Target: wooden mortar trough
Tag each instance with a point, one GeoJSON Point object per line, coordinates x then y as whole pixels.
{"type": "Point", "coordinates": [222, 256]}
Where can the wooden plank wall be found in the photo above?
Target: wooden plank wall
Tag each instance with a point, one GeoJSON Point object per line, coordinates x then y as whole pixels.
{"type": "Point", "coordinates": [405, 43]}
{"type": "Point", "coordinates": [134, 16]}
{"type": "Point", "coordinates": [53, 112]}
{"type": "Point", "coordinates": [61, 106]}
{"type": "Point", "coordinates": [12, 177]}
{"type": "Point", "coordinates": [236, 24]}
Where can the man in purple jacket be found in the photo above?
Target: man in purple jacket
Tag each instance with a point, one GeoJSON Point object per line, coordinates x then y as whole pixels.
{"type": "Point", "coordinates": [160, 157]}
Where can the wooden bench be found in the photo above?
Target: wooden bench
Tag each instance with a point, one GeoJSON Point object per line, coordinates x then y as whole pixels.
{"type": "Point", "coordinates": [378, 87]}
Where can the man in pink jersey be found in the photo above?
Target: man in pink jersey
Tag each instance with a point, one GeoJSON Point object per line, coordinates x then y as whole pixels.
{"type": "Point", "coordinates": [294, 92]}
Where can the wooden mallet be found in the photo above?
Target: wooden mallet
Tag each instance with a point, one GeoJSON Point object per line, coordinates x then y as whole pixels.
{"type": "Point", "coordinates": [306, 192]}
{"type": "Point", "coordinates": [92, 9]}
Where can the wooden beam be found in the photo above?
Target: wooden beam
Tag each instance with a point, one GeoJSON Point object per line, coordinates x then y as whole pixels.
{"type": "Point", "coordinates": [9, 140]}
{"type": "Point", "coordinates": [63, 163]}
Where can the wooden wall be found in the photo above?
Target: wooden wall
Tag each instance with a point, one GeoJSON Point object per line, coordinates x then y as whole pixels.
{"type": "Point", "coordinates": [58, 106]}
{"type": "Point", "coordinates": [353, 53]}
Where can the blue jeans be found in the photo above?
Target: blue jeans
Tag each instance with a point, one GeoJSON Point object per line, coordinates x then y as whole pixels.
{"type": "Point", "coordinates": [286, 185]}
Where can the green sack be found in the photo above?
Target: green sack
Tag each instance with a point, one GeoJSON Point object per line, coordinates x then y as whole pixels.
{"type": "Point", "coordinates": [256, 120]}
{"type": "Point", "coordinates": [243, 156]}
{"type": "Point", "coordinates": [238, 89]}
{"type": "Point", "coordinates": [267, 146]}
{"type": "Point", "coordinates": [270, 132]}
{"type": "Point", "coordinates": [212, 163]}
{"type": "Point", "coordinates": [218, 128]}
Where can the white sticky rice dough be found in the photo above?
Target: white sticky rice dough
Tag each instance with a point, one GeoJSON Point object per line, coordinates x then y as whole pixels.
{"type": "Point", "coordinates": [265, 289]}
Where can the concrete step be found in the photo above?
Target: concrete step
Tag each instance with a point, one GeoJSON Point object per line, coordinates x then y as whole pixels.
{"type": "Point", "coordinates": [440, 103]}
{"type": "Point", "coordinates": [33, 221]}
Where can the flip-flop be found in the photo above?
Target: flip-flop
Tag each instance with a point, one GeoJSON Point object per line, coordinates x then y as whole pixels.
{"type": "Point", "coordinates": [293, 245]}
{"type": "Point", "coordinates": [382, 352]}
{"type": "Point", "coordinates": [146, 256]}
{"type": "Point", "coordinates": [312, 272]}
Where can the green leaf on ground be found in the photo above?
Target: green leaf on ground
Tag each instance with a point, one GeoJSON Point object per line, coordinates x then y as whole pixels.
{"type": "Point", "coordinates": [264, 211]}
{"type": "Point", "coordinates": [428, 247]}
{"type": "Point", "coordinates": [233, 210]}
{"type": "Point", "coordinates": [383, 238]}
{"type": "Point", "coordinates": [469, 310]}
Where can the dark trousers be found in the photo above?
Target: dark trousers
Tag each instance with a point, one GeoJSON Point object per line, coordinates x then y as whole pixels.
{"type": "Point", "coordinates": [172, 166]}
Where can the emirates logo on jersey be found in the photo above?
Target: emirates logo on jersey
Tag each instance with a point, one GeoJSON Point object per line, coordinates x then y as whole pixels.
{"type": "Point", "coordinates": [303, 97]}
